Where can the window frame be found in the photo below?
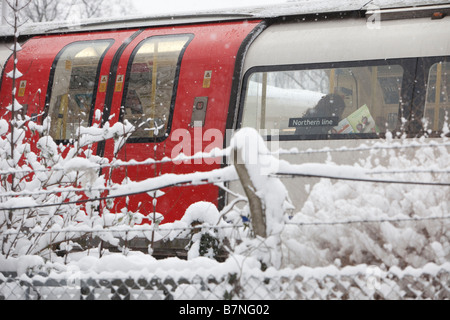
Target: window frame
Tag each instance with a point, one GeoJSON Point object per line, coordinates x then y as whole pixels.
{"type": "Point", "coordinates": [133, 54]}
{"type": "Point", "coordinates": [406, 96]}
{"type": "Point", "coordinates": [48, 96]}
{"type": "Point", "coordinates": [420, 103]}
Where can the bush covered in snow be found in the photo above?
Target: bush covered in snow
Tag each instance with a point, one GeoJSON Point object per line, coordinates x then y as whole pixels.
{"type": "Point", "coordinates": [350, 223]}
{"type": "Point", "coordinates": [40, 190]}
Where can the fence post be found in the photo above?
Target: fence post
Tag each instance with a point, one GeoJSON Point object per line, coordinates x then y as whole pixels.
{"type": "Point", "coordinates": [257, 208]}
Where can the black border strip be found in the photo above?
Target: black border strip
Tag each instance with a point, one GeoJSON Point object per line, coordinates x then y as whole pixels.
{"type": "Point", "coordinates": [231, 122]}
{"type": "Point", "coordinates": [111, 84]}
{"type": "Point", "coordinates": [235, 97]}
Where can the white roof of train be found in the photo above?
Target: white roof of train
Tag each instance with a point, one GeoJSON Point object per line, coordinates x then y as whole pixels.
{"type": "Point", "coordinates": [298, 8]}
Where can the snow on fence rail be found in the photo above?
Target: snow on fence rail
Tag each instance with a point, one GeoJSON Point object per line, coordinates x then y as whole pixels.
{"type": "Point", "coordinates": [226, 174]}
{"type": "Point", "coordinates": [355, 282]}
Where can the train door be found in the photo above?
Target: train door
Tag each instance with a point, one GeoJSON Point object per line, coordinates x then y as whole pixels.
{"type": "Point", "coordinates": [64, 80]}
{"type": "Point", "coordinates": [78, 84]}
{"type": "Point", "coordinates": [173, 85]}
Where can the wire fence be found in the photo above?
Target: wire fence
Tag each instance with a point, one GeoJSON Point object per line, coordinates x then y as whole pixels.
{"type": "Point", "coordinates": [350, 282]}
{"type": "Point", "coordinates": [221, 154]}
{"type": "Point", "coordinates": [354, 283]}
{"type": "Point", "coordinates": [218, 176]}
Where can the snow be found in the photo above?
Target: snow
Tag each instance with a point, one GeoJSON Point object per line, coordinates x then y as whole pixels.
{"type": "Point", "coordinates": [173, 9]}
{"type": "Point", "coordinates": [336, 220]}
{"type": "Point", "coordinates": [17, 106]}
{"type": "Point", "coordinates": [203, 212]}
{"type": "Point", "coordinates": [181, 6]}
{"type": "Point", "coordinates": [333, 234]}
{"type": "Point", "coordinates": [17, 46]}
{"type": "Point", "coordinates": [119, 132]}
{"type": "Point", "coordinates": [18, 203]}
{"type": "Point", "coordinates": [79, 164]}
{"type": "Point", "coordinates": [167, 180]}
{"type": "Point", "coordinates": [270, 7]}
{"type": "Point", "coordinates": [4, 127]}
{"type": "Point", "coordinates": [274, 194]}
{"type": "Point", "coordinates": [15, 73]}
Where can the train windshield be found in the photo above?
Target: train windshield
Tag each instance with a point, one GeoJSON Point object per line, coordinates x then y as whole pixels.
{"type": "Point", "coordinates": [325, 102]}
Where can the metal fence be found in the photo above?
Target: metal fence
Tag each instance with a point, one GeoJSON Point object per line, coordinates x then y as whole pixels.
{"type": "Point", "coordinates": [358, 282]}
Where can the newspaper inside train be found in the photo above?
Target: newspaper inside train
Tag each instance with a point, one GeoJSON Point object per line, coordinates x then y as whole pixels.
{"type": "Point", "coordinates": [360, 121]}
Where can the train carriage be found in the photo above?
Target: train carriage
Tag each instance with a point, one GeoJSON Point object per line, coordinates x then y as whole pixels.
{"type": "Point", "coordinates": [374, 70]}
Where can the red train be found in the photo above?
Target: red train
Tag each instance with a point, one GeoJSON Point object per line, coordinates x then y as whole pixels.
{"type": "Point", "coordinates": [220, 71]}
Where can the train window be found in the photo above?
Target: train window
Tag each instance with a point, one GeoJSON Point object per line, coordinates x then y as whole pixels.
{"type": "Point", "coordinates": [437, 106]}
{"type": "Point", "coordinates": [74, 82]}
{"type": "Point", "coordinates": [352, 100]}
{"type": "Point", "coordinates": [151, 85]}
